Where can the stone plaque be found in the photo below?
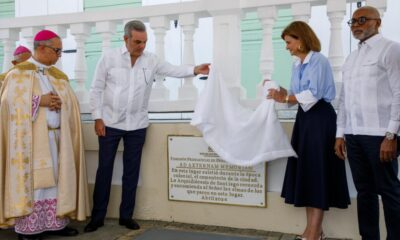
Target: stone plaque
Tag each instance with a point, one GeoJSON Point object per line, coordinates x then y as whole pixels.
{"type": "Point", "coordinates": [197, 174]}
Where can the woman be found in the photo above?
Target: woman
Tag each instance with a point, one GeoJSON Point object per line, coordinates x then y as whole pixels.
{"type": "Point", "coordinates": [316, 179]}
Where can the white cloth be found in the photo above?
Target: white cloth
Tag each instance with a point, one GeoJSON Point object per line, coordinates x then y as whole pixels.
{"type": "Point", "coordinates": [240, 136]}
{"type": "Point", "coordinates": [369, 103]}
{"type": "Point", "coordinates": [306, 100]}
{"type": "Point", "coordinates": [120, 93]}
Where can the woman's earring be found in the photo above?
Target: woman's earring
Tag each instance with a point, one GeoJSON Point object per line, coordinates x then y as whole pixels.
{"type": "Point", "coordinates": [299, 48]}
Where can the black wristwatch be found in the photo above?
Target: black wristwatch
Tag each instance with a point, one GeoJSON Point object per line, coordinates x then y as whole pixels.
{"type": "Point", "coordinates": [390, 136]}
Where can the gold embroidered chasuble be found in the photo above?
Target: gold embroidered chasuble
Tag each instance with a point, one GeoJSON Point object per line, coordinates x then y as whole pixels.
{"type": "Point", "coordinates": [2, 76]}
{"type": "Point", "coordinates": [25, 160]}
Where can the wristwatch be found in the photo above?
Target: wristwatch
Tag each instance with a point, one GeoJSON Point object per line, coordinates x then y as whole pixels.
{"type": "Point", "coordinates": [390, 136]}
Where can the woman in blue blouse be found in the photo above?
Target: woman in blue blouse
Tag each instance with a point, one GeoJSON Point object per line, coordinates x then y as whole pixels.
{"type": "Point", "coordinates": [316, 179]}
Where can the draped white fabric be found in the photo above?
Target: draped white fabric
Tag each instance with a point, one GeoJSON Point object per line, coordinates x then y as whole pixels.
{"type": "Point", "coordinates": [238, 135]}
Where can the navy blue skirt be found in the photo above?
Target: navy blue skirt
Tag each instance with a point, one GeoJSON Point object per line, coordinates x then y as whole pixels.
{"type": "Point", "coordinates": [317, 178]}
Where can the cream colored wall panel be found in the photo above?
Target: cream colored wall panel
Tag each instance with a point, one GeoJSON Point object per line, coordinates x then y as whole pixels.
{"type": "Point", "coordinates": [152, 199]}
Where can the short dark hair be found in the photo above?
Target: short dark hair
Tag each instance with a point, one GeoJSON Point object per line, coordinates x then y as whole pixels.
{"type": "Point", "coordinates": [303, 32]}
{"type": "Point", "coordinates": [134, 25]}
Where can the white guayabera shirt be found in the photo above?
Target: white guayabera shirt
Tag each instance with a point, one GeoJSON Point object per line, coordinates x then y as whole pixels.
{"type": "Point", "coordinates": [120, 93]}
{"type": "Point", "coordinates": [369, 103]}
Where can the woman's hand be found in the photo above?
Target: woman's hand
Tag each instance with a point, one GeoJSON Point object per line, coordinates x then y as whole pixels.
{"type": "Point", "coordinates": [277, 95]}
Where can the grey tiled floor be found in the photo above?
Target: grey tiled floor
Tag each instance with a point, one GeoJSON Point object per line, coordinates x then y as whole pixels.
{"type": "Point", "coordinates": [112, 231]}
{"type": "Point", "coordinates": [171, 234]}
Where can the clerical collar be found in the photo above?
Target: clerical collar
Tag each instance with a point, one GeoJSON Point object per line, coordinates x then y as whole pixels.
{"type": "Point", "coordinates": [40, 66]}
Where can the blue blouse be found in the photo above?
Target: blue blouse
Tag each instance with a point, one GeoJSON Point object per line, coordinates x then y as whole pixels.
{"type": "Point", "coordinates": [315, 74]}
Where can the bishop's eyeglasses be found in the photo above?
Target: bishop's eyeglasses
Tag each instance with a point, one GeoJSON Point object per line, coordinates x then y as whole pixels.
{"type": "Point", "coordinates": [58, 51]}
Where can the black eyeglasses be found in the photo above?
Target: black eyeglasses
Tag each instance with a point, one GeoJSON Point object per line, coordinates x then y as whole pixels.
{"type": "Point", "coordinates": [361, 20]}
{"type": "Point", "coordinates": [58, 51]}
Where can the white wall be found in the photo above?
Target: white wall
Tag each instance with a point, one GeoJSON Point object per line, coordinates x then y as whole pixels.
{"type": "Point", "coordinates": [152, 196]}
{"type": "Point", "coordinates": [391, 19]}
{"type": "Point", "coordinates": [173, 39]}
{"type": "Point", "coordinates": [204, 33]}
{"type": "Point", "coordinates": [24, 8]}
{"type": "Point", "coordinates": [320, 23]}
{"type": "Point", "coordinates": [174, 46]}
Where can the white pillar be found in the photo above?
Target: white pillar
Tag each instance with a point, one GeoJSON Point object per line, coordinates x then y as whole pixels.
{"type": "Point", "coordinates": [8, 37]}
{"type": "Point", "coordinates": [107, 30]}
{"type": "Point", "coordinates": [227, 41]}
{"type": "Point", "coordinates": [336, 10]}
{"type": "Point", "coordinates": [160, 25]}
{"type": "Point", "coordinates": [267, 16]}
{"type": "Point", "coordinates": [28, 33]}
{"type": "Point", "coordinates": [188, 24]}
{"type": "Point", "coordinates": [301, 11]}
{"type": "Point", "coordinates": [80, 31]}
{"type": "Point", "coordinates": [61, 31]}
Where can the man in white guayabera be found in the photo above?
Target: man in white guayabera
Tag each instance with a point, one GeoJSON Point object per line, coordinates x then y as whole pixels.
{"type": "Point", "coordinates": [119, 99]}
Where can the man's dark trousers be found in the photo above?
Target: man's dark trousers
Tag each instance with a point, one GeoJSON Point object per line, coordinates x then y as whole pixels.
{"type": "Point", "coordinates": [372, 178]}
{"type": "Point", "coordinates": [108, 145]}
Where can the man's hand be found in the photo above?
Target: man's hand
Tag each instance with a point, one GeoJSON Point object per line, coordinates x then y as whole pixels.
{"type": "Point", "coordinates": [99, 127]}
{"type": "Point", "coordinates": [388, 150]}
{"type": "Point", "coordinates": [51, 101]}
{"type": "Point", "coordinates": [202, 69]}
{"type": "Point", "coordinates": [340, 148]}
